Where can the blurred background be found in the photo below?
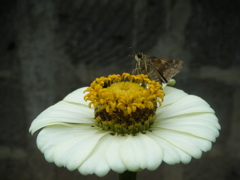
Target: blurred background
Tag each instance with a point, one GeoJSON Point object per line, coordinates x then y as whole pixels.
{"type": "Point", "coordinates": [50, 48]}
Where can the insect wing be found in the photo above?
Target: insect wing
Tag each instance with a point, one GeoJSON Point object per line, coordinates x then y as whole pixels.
{"type": "Point", "coordinates": [166, 68]}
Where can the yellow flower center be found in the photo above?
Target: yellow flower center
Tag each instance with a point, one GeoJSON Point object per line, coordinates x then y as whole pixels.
{"type": "Point", "coordinates": [124, 104]}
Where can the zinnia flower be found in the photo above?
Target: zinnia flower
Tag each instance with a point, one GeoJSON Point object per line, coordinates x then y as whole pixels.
{"type": "Point", "coordinates": [125, 123]}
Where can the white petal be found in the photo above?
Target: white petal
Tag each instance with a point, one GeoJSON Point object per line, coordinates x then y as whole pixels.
{"type": "Point", "coordinates": [113, 155]}
{"type": "Point", "coordinates": [186, 105]}
{"type": "Point", "coordinates": [69, 107]}
{"type": "Point", "coordinates": [189, 144]}
{"type": "Point", "coordinates": [77, 96]}
{"type": "Point", "coordinates": [140, 152]}
{"type": "Point", "coordinates": [172, 95]}
{"type": "Point", "coordinates": [71, 146]}
{"type": "Point", "coordinates": [171, 154]}
{"type": "Point", "coordinates": [97, 163]}
{"type": "Point", "coordinates": [203, 125]}
{"type": "Point", "coordinates": [61, 113]}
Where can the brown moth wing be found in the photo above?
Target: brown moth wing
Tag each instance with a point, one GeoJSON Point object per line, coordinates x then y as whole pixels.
{"type": "Point", "coordinates": [166, 69]}
{"type": "Point", "coordinates": [153, 74]}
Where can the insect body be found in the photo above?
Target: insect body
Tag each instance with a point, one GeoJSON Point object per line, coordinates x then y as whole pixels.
{"type": "Point", "coordinates": [157, 69]}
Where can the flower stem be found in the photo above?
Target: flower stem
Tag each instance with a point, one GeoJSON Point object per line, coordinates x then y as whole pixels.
{"type": "Point", "coordinates": [128, 175]}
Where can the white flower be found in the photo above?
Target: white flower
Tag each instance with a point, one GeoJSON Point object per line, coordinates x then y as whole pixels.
{"type": "Point", "coordinates": [184, 127]}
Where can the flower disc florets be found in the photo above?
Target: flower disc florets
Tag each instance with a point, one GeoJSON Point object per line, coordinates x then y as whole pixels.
{"type": "Point", "coordinates": [124, 104]}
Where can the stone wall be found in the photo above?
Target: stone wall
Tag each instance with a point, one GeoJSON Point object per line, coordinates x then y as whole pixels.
{"type": "Point", "coordinates": [49, 48]}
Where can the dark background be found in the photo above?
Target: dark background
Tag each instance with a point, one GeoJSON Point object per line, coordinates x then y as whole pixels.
{"type": "Point", "coordinates": [50, 48]}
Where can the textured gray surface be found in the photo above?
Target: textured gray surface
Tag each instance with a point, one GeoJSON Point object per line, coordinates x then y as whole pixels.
{"type": "Point", "coordinates": [49, 48]}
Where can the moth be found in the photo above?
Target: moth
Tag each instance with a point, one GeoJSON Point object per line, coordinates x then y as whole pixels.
{"type": "Point", "coordinates": [160, 70]}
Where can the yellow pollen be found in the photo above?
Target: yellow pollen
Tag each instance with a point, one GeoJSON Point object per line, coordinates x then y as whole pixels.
{"type": "Point", "coordinates": [124, 104]}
